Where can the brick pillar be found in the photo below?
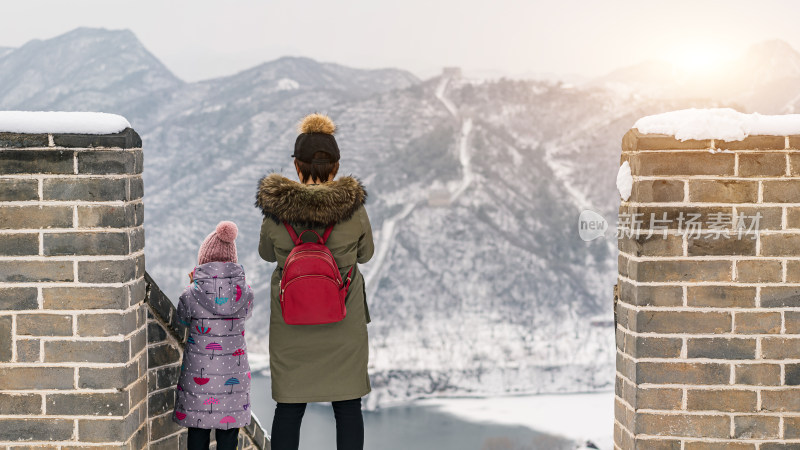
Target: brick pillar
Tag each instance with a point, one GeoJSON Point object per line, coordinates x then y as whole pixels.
{"type": "Point", "coordinates": [72, 319]}
{"type": "Point", "coordinates": [708, 329]}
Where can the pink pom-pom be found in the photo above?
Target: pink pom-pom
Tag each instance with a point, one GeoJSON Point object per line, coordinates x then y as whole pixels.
{"type": "Point", "coordinates": [227, 231]}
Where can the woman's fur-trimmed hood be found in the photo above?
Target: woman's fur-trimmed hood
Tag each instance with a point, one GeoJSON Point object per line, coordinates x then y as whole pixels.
{"type": "Point", "coordinates": [315, 205]}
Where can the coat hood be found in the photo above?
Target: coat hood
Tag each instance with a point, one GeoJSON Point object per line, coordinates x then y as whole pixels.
{"type": "Point", "coordinates": [220, 287]}
{"type": "Point", "coordinates": [315, 205]}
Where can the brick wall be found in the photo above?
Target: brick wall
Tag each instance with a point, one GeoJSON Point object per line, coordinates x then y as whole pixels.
{"type": "Point", "coordinates": [708, 327]}
{"type": "Point", "coordinates": [86, 359]}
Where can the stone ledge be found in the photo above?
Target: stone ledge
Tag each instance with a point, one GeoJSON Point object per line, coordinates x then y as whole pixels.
{"type": "Point", "coordinates": [127, 138]}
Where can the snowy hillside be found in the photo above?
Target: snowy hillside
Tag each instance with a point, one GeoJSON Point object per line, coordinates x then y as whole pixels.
{"type": "Point", "coordinates": [480, 284]}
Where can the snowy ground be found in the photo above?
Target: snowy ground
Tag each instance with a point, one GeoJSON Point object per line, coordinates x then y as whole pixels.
{"type": "Point", "coordinates": [585, 416]}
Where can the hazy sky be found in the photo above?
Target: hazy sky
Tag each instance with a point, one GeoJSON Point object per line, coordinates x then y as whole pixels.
{"type": "Point", "coordinates": [201, 39]}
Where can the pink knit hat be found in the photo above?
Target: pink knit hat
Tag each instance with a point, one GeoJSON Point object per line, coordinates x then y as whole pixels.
{"type": "Point", "coordinates": [219, 245]}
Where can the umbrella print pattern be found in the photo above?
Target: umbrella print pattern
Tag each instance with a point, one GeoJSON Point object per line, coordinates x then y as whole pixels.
{"type": "Point", "coordinates": [239, 353]}
{"type": "Point", "coordinates": [213, 347]}
{"type": "Point", "coordinates": [211, 401]}
{"type": "Point", "coordinates": [232, 382]}
{"type": "Point", "coordinates": [227, 420]}
{"type": "Point", "coordinates": [231, 319]}
{"type": "Point", "coordinates": [200, 380]}
{"type": "Point", "coordinates": [221, 396]}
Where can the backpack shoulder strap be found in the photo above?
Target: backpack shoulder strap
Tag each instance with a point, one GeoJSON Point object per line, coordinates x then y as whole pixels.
{"type": "Point", "coordinates": [327, 232]}
{"type": "Point", "coordinates": [292, 233]}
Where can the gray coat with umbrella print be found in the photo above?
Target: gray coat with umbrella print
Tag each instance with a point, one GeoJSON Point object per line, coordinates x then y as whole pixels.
{"type": "Point", "coordinates": [213, 389]}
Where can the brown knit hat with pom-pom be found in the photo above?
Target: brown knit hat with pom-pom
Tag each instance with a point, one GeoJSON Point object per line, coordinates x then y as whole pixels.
{"type": "Point", "coordinates": [316, 135]}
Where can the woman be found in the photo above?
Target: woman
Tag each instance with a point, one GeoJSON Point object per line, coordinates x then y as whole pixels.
{"type": "Point", "coordinates": [327, 362]}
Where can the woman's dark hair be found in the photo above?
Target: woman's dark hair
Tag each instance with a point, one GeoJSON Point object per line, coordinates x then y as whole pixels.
{"type": "Point", "coordinates": [317, 172]}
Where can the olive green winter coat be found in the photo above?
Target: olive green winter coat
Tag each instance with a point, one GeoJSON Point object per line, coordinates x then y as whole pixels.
{"type": "Point", "coordinates": [317, 363]}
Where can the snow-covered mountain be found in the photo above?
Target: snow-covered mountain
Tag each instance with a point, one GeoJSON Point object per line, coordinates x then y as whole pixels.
{"type": "Point", "coordinates": [480, 283]}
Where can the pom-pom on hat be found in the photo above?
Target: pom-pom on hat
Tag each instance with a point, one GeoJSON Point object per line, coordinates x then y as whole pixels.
{"type": "Point", "coordinates": [219, 245]}
{"type": "Point", "coordinates": [316, 135]}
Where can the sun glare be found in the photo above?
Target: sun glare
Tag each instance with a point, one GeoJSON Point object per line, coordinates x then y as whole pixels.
{"type": "Point", "coordinates": [698, 58]}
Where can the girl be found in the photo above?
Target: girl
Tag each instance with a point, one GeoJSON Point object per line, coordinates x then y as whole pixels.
{"type": "Point", "coordinates": [327, 362]}
{"type": "Point", "coordinates": [214, 385]}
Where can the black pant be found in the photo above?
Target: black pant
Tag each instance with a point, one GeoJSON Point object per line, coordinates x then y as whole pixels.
{"type": "Point", "coordinates": [349, 425]}
{"type": "Point", "coordinates": [200, 439]}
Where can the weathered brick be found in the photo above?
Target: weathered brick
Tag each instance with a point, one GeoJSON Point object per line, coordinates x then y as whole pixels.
{"type": "Point", "coordinates": [651, 295]}
{"type": "Point", "coordinates": [755, 142]}
{"type": "Point", "coordinates": [16, 189]}
{"type": "Point", "coordinates": [36, 161]}
{"type": "Point", "coordinates": [756, 427]}
{"type": "Point", "coordinates": [634, 140]}
{"type": "Point", "coordinates": [781, 191]}
{"type": "Point", "coordinates": [163, 426]}
{"type": "Point", "coordinates": [161, 402]}
{"type": "Point", "coordinates": [21, 140]}
{"type": "Point", "coordinates": [759, 271]}
{"type": "Point", "coordinates": [16, 404]}
{"type": "Point", "coordinates": [136, 238]}
{"type": "Point", "coordinates": [107, 378]}
{"type": "Point", "coordinates": [85, 298]}
{"type": "Point", "coordinates": [19, 244]}
{"type": "Point", "coordinates": [106, 324]}
{"type": "Point", "coordinates": [791, 427]}
{"type": "Point", "coordinates": [15, 299]}
{"type": "Point", "coordinates": [781, 400]}
{"type": "Point", "coordinates": [757, 323]}
{"type": "Point", "coordinates": [6, 338]}
{"type": "Point", "coordinates": [28, 350]}
{"type": "Point", "coordinates": [138, 341]}
{"type": "Point", "coordinates": [756, 218]}
{"type": "Point", "coordinates": [135, 188]}
{"type": "Point", "coordinates": [682, 163]}
{"type": "Point", "coordinates": [137, 392]}
{"type": "Point", "coordinates": [766, 164]}
{"type": "Point", "coordinates": [792, 217]}
{"type": "Point", "coordinates": [169, 443]}
{"type": "Point", "coordinates": [792, 374]}
{"type": "Point", "coordinates": [780, 348]}
{"type": "Point", "coordinates": [137, 291]}
{"type": "Point", "coordinates": [138, 160]}
{"type": "Point", "coordinates": [45, 429]}
{"type": "Point", "coordinates": [163, 377]}
{"type": "Point", "coordinates": [681, 270]}
{"type": "Point", "coordinates": [36, 378]}
{"type": "Point", "coordinates": [708, 245]}
{"type": "Point", "coordinates": [682, 373]}
{"type": "Point", "coordinates": [140, 440]}
{"type": "Point", "coordinates": [105, 162]}
{"type": "Point", "coordinates": [636, 218]}
{"type": "Point", "coordinates": [780, 244]}
{"type": "Point", "coordinates": [682, 322]}
{"type": "Point", "coordinates": [127, 138]}
{"type": "Point", "coordinates": [726, 400]}
{"type": "Point", "coordinates": [658, 398]}
{"type": "Point", "coordinates": [794, 143]}
{"type": "Point", "coordinates": [161, 355]}
{"type": "Point", "coordinates": [35, 217]}
{"type": "Point", "coordinates": [726, 445]}
{"type": "Point", "coordinates": [106, 216]}
{"type": "Point", "coordinates": [28, 271]}
{"type": "Point", "coordinates": [86, 351]}
{"type": "Point", "coordinates": [792, 322]}
{"type": "Point", "coordinates": [138, 213]}
{"type": "Point", "coordinates": [89, 189]}
{"type": "Point", "coordinates": [656, 245]}
{"type": "Point", "coordinates": [44, 325]}
{"type": "Point", "coordinates": [721, 348]}
{"type": "Point", "coordinates": [694, 425]}
{"type": "Point", "coordinates": [723, 191]}
{"type": "Point", "coordinates": [110, 430]}
{"type": "Point", "coordinates": [94, 404]}
{"type": "Point", "coordinates": [660, 191]}
{"type": "Point", "coordinates": [653, 347]}
{"type": "Point", "coordinates": [758, 374]}
{"type": "Point", "coordinates": [780, 296]}
{"type": "Point", "coordinates": [107, 271]}
{"type": "Point", "coordinates": [86, 243]}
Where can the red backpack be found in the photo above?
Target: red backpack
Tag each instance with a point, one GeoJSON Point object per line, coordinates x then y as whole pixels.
{"type": "Point", "coordinates": [312, 292]}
